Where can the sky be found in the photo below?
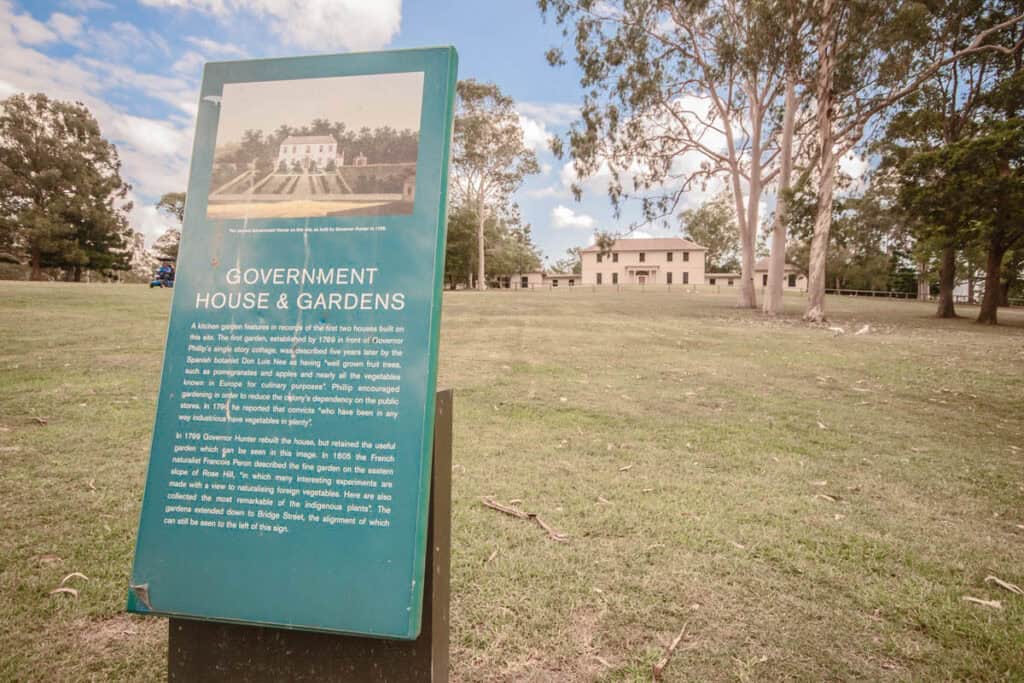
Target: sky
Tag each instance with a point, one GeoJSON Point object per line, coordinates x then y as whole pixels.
{"type": "Point", "coordinates": [137, 66]}
{"type": "Point", "coordinates": [357, 101]}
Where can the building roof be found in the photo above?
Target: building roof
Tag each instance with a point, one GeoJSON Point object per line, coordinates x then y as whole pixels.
{"type": "Point", "coordinates": [762, 266]}
{"type": "Point", "coordinates": [309, 140]}
{"type": "Point", "coordinates": [650, 244]}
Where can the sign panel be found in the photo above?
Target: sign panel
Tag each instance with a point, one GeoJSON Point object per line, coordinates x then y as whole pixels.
{"type": "Point", "coordinates": [289, 473]}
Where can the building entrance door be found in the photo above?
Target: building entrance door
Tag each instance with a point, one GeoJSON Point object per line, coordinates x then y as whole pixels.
{"type": "Point", "coordinates": [642, 279]}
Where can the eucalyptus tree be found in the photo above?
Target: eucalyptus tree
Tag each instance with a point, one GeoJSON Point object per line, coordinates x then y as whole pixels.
{"type": "Point", "coordinates": [677, 95]}
{"type": "Point", "coordinates": [490, 159]}
{"type": "Point", "coordinates": [792, 41]}
{"type": "Point", "coordinates": [868, 56]}
{"type": "Point", "coordinates": [946, 109]}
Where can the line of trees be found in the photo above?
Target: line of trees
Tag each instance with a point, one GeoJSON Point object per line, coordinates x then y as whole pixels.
{"type": "Point", "coordinates": [770, 94]}
{"type": "Point", "coordinates": [63, 203]}
{"type": "Point", "coordinates": [489, 163]}
{"type": "Point", "coordinates": [383, 145]}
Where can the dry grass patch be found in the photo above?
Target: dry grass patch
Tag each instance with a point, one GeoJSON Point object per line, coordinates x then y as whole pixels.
{"type": "Point", "coordinates": [812, 505]}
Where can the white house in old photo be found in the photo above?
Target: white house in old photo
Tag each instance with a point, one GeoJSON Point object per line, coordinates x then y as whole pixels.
{"type": "Point", "coordinates": [319, 149]}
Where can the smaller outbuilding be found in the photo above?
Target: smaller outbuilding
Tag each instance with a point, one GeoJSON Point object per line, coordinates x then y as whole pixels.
{"type": "Point", "coordinates": [793, 279]}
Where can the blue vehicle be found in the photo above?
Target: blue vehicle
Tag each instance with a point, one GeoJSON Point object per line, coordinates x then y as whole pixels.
{"type": "Point", "coordinates": [164, 276]}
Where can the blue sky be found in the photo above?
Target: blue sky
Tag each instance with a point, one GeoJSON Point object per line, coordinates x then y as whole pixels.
{"type": "Point", "coordinates": [137, 66]}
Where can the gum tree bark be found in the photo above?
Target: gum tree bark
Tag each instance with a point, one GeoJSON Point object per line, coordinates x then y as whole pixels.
{"type": "Point", "coordinates": [827, 164]}
{"type": "Point", "coordinates": [777, 264]}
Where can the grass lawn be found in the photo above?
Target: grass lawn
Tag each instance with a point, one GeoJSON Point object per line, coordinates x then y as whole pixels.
{"type": "Point", "coordinates": [809, 505]}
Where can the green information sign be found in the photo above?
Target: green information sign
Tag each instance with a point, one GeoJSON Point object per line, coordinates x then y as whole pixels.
{"type": "Point", "coordinates": [290, 468]}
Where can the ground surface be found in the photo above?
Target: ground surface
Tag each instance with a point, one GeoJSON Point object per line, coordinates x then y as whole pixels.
{"type": "Point", "coordinates": [809, 505]}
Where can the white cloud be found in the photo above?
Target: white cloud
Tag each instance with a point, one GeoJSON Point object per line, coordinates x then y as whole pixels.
{"type": "Point", "coordinates": [154, 153]}
{"type": "Point", "coordinates": [87, 5]}
{"type": "Point", "coordinates": [320, 24]}
{"type": "Point", "coordinates": [188, 64]}
{"type": "Point", "coordinates": [549, 191]}
{"type": "Point", "coordinates": [67, 27]}
{"type": "Point", "coordinates": [213, 47]}
{"type": "Point", "coordinates": [147, 220]}
{"type": "Point", "coordinates": [853, 165]}
{"type": "Point", "coordinates": [564, 218]}
{"type": "Point", "coordinates": [30, 30]}
{"type": "Point", "coordinates": [150, 136]}
{"type": "Point", "coordinates": [550, 113]}
{"type": "Point", "coordinates": [535, 134]}
{"type": "Point", "coordinates": [175, 91]}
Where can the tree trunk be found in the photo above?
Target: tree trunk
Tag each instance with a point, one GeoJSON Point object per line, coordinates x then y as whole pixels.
{"type": "Point", "coordinates": [947, 283]}
{"type": "Point", "coordinates": [827, 164]}
{"type": "Point", "coordinates": [777, 264]}
{"type": "Point", "coordinates": [481, 279]}
{"type": "Point", "coordinates": [741, 221]}
{"type": "Point", "coordinates": [990, 299]}
{"type": "Point", "coordinates": [36, 261]}
{"type": "Point", "coordinates": [748, 292]}
{"type": "Point", "coordinates": [923, 283]}
{"type": "Point", "coordinates": [78, 273]}
{"type": "Point", "coordinates": [748, 295]}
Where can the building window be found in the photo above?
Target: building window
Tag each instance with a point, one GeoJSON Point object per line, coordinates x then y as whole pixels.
{"type": "Point", "coordinates": [764, 280]}
{"type": "Point", "coordinates": [321, 148]}
{"type": "Point", "coordinates": [711, 281]}
{"type": "Point", "coordinates": [554, 283]}
{"type": "Point", "coordinates": [668, 256]}
{"type": "Point", "coordinates": [686, 278]}
{"type": "Point", "coordinates": [792, 279]}
{"type": "Point", "coordinates": [643, 257]}
{"type": "Point", "coordinates": [668, 276]}
{"type": "Point", "coordinates": [730, 282]}
{"type": "Point", "coordinates": [524, 282]}
{"type": "Point", "coordinates": [599, 278]}
{"type": "Point", "coordinates": [686, 256]}
{"type": "Point", "coordinates": [572, 283]}
{"type": "Point", "coordinates": [615, 258]}
{"type": "Point", "coordinates": [598, 257]}
{"type": "Point", "coordinates": [615, 278]}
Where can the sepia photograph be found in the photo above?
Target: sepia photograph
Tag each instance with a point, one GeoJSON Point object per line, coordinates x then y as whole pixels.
{"type": "Point", "coordinates": [342, 146]}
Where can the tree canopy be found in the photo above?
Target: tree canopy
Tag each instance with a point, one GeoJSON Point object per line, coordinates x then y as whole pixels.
{"type": "Point", "coordinates": [63, 203]}
{"type": "Point", "coordinates": [489, 159]}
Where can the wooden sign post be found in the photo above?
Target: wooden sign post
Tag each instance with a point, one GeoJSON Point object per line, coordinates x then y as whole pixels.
{"type": "Point", "coordinates": [201, 651]}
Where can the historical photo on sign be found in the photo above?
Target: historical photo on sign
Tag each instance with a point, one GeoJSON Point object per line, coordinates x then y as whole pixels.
{"type": "Point", "coordinates": [314, 147]}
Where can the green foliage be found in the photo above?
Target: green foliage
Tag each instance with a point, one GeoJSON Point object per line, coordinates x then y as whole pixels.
{"type": "Point", "coordinates": [972, 189]}
{"type": "Point", "coordinates": [167, 244]}
{"type": "Point", "coordinates": [489, 160]}
{"type": "Point", "coordinates": [713, 226]}
{"type": "Point", "coordinates": [665, 80]}
{"type": "Point", "coordinates": [173, 204]}
{"type": "Point", "coordinates": [572, 263]}
{"type": "Point", "coordinates": [62, 200]}
{"type": "Point", "coordinates": [509, 246]}
{"type": "Point", "coordinates": [489, 157]}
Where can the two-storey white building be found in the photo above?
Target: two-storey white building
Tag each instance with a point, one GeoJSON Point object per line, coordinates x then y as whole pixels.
{"type": "Point", "coordinates": [645, 261]}
{"type": "Point", "coordinates": [320, 149]}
